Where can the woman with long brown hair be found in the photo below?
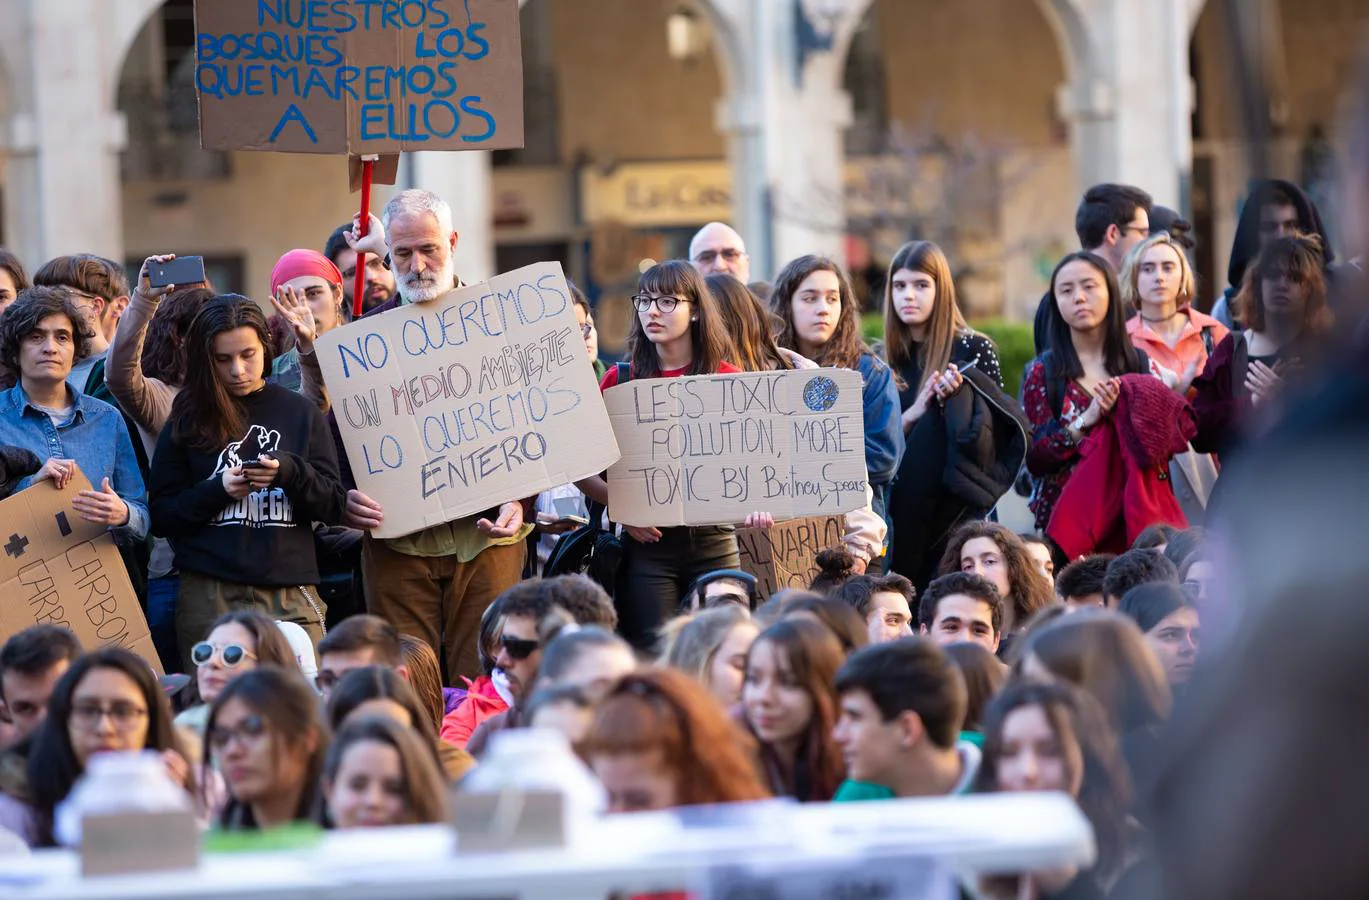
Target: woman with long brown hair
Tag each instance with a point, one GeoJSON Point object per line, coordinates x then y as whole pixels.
{"type": "Point", "coordinates": [378, 773]}
{"type": "Point", "coordinates": [820, 320]}
{"type": "Point", "coordinates": [935, 355]}
{"type": "Point", "coordinates": [993, 551]}
{"type": "Point", "coordinates": [678, 331]}
{"type": "Point", "coordinates": [752, 327]}
{"type": "Point", "coordinates": [244, 469]}
{"type": "Point", "coordinates": [1055, 737]}
{"type": "Point", "coordinates": [659, 741]}
{"type": "Point", "coordinates": [790, 706]}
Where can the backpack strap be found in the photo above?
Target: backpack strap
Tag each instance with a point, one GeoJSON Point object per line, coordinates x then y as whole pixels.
{"type": "Point", "coordinates": [1055, 391]}
{"type": "Point", "coordinates": [1208, 343]}
{"type": "Point", "coordinates": [624, 372]}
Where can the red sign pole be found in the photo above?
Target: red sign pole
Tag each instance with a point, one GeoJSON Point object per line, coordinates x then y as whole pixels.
{"type": "Point", "coordinates": [368, 164]}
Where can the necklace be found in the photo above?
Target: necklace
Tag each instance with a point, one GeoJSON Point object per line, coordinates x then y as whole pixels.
{"type": "Point", "coordinates": [1168, 318]}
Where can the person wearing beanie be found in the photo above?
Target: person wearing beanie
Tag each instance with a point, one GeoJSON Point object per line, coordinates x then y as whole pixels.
{"type": "Point", "coordinates": [306, 290]}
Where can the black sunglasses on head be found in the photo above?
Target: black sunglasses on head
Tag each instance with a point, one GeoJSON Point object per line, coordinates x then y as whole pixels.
{"type": "Point", "coordinates": [518, 648]}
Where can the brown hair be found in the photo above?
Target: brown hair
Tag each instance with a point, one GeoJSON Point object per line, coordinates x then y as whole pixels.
{"type": "Point", "coordinates": [1105, 653]}
{"type": "Point", "coordinates": [11, 264]}
{"type": "Point", "coordinates": [750, 324]}
{"type": "Point", "coordinates": [87, 273]}
{"type": "Point", "coordinates": [424, 786]}
{"type": "Point", "coordinates": [846, 347]}
{"type": "Point", "coordinates": [946, 324]}
{"type": "Point", "coordinates": [273, 649]}
{"type": "Point", "coordinates": [204, 415]}
{"type": "Point", "coordinates": [163, 355]}
{"type": "Point", "coordinates": [666, 710]}
{"type": "Point", "coordinates": [425, 676]}
{"type": "Point", "coordinates": [813, 656]}
{"type": "Point", "coordinates": [1300, 258]}
{"type": "Point", "coordinates": [365, 632]}
{"type": "Point", "coordinates": [289, 707]}
{"type": "Point", "coordinates": [984, 676]}
{"type": "Point", "coordinates": [707, 333]}
{"type": "Point", "coordinates": [1104, 785]}
{"type": "Point", "coordinates": [1031, 591]}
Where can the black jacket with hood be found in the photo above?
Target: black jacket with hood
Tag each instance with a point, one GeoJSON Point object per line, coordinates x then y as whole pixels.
{"type": "Point", "coordinates": [1246, 245]}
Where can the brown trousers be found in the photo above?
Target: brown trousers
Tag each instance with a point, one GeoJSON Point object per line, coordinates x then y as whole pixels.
{"type": "Point", "coordinates": [203, 599]}
{"type": "Point", "coordinates": [438, 598]}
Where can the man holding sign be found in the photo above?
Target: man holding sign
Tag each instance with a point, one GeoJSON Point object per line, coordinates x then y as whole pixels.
{"type": "Point", "coordinates": [433, 583]}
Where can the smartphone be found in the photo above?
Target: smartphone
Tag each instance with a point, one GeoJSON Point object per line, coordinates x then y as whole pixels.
{"type": "Point", "coordinates": [568, 510]}
{"type": "Point", "coordinates": [253, 464]}
{"type": "Point", "coordinates": [183, 270]}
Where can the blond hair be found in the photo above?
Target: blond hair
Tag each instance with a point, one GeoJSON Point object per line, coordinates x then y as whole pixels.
{"type": "Point", "coordinates": [1131, 270]}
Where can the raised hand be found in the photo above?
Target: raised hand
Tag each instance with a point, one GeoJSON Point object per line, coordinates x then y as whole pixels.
{"type": "Point", "coordinates": [294, 309]}
{"type": "Point", "coordinates": [145, 280]}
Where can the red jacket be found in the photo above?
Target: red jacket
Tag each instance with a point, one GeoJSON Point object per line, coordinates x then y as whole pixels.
{"type": "Point", "coordinates": [482, 701]}
{"type": "Point", "coordinates": [1121, 484]}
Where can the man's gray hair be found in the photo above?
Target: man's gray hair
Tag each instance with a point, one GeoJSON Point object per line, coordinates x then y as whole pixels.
{"type": "Point", "coordinates": [416, 202]}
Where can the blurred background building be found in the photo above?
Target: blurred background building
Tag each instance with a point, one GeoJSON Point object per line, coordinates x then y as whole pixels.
{"type": "Point", "coordinates": [836, 126]}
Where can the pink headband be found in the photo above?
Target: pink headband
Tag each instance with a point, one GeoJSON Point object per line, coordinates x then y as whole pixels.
{"type": "Point", "coordinates": [303, 262]}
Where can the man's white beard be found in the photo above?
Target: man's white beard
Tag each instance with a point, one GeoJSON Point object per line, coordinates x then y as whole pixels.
{"type": "Point", "coordinates": [415, 288]}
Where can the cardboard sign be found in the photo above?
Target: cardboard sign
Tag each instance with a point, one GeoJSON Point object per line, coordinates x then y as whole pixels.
{"type": "Point", "coordinates": [359, 76]}
{"type": "Point", "coordinates": [482, 396]}
{"type": "Point", "coordinates": [128, 843]}
{"type": "Point", "coordinates": [785, 554]}
{"type": "Point", "coordinates": [711, 449]}
{"type": "Point", "coordinates": [59, 569]}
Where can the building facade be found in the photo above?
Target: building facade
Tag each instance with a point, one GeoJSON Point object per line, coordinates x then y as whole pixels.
{"type": "Point", "coordinates": [842, 127]}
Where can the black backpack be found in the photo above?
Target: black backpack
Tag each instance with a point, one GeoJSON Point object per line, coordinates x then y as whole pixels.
{"type": "Point", "coordinates": [592, 549]}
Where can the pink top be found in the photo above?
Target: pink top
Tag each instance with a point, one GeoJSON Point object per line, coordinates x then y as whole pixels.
{"type": "Point", "coordinates": [1191, 346]}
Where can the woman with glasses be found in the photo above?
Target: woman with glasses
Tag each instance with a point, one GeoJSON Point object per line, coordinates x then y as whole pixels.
{"type": "Point", "coordinates": [659, 741]}
{"type": "Point", "coordinates": [239, 642]}
{"type": "Point", "coordinates": [244, 470]}
{"type": "Point", "coordinates": [108, 701]}
{"type": "Point", "coordinates": [268, 739]}
{"type": "Point", "coordinates": [820, 320]}
{"type": "Point", "coordinates": [677, 331]}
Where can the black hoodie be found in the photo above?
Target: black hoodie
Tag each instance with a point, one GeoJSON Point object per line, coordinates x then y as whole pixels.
{"type": "Point", "coordinates": [1246, 245]}
{"type": "Point", "coordinates": [266, 538]}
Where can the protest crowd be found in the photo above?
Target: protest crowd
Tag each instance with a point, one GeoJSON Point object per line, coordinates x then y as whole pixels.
{"type": "Point", "coordinates": [320, 674]}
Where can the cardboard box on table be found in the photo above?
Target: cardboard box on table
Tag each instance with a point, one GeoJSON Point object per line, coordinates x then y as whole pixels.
{"type": "Point", "coordinates": [58, 569]}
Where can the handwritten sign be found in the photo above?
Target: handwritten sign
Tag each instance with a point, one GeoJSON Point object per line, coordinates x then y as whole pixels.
{"type": "Point", "coordinates": [710, 449]}
{"type": "Point", "coordinates": [785, 554]}
{"type": "Point", "coordinates": [359, 76]}
{"type": "Point", "coordinates": [482, 396]}
{"type": "Point", "coordinates": [58, 569]}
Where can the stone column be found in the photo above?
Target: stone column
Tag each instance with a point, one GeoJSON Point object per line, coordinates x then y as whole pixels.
{"type": "Point", "coordinates": [784, 116]}
{"type": "Point", "coordinates": [63, 133]}
{"type": "Point", "coordinates": [1130, 95]}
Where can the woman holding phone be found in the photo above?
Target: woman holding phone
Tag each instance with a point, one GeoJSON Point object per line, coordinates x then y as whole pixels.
{"type": "Point", "coordinates": [243, 470]}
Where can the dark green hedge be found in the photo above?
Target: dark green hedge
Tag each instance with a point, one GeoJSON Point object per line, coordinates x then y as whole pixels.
{"type": "Point", "coordinates": [1014, 340]}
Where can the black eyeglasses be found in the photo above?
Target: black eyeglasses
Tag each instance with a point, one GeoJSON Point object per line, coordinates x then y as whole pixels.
{"type": "Point", "coordinates": [665, 304]}
{"type": "Point", "coordinates": [249, 730]}
{"type": "Point", "coordinates": [708, 257]}
{"type": "Point", "coordinates": [231, 655]}
{"type": "Point", "coordinates": [518, 648]}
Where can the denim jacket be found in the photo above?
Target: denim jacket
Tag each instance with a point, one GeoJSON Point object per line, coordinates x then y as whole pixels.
{"type": "Point", "coordinates": [96, 438]}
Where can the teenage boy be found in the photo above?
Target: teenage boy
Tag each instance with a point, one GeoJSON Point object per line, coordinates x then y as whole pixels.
{"type": "Point", "coordinates": [962, 606]}
{"type": "Point", "coordinates": [884, 602]}
{"type": "Point", "coordinates": [902, 707]}
{"type": "Point", "coordinates": [41, 336]}
{"type": "Point", "coordinates": [355, 643]}
{"type": "Point", "coordinates": [30, 664]}
{"type": "Point", "coordinates": [1080, 584]}
{"type": "Point", "coordinates": [1133, 568]}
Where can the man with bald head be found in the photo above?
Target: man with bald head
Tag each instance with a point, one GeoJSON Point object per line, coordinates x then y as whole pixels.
{"type": "Point", "coordinates": [718, 248]}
